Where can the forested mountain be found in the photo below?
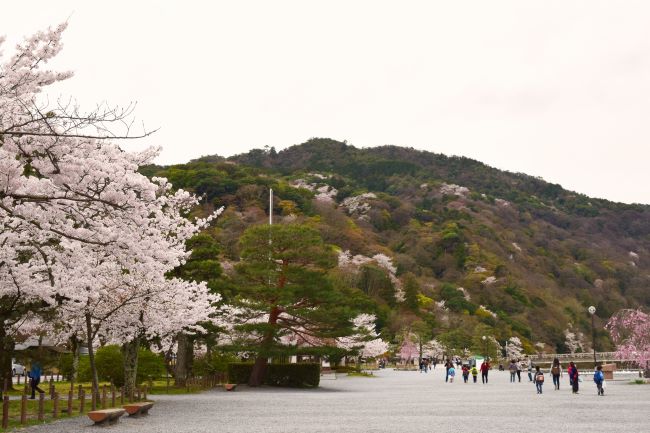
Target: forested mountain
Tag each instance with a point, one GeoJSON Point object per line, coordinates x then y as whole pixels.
{"type": "Point", "coordinates": [448, 242]}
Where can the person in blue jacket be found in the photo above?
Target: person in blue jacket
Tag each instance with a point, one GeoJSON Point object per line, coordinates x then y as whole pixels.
{"type": "Point", "coordinates": [599, 378]}
{"type": "Point", "coordinates": [35, 378]}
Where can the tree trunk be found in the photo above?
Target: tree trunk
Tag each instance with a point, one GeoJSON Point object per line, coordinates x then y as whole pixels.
{"type": "Point", "coordinates": [259, 368]}
{"type": "Point", "coordinates": [91, 356]}
{"type": "Point", "coordinates": [184, 353]}
{"type": "Point", "coordinates": [130, 352]}
{"type": "Point", "coordinates": [75, 346]}
{"type": "Point", "coordinates": [6, 352]}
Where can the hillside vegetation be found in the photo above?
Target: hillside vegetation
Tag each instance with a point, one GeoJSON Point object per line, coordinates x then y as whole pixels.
{"type": "Point", "coordinates": [445, 244]}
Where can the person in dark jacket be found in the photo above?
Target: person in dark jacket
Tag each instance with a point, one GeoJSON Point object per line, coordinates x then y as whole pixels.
{"type": "Point", "coordinates": [34, 379]}
{"type": "Point", "coordinates": [574, 375]}
{"type": "Point", "coordinates": [556, 371]}
{"type": "Point", "coordinates": [599, 378]}
{"type": "Point", "coordinates": [448, 365]}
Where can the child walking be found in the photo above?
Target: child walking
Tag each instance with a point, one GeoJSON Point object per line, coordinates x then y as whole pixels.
{"type": "Point", "coordinates": [599, 378]}
{"type": "Point", "coordinates": [474, 373]}
{"type": "Point", "coordinates": [465, 373]}
{"type": "Point", "coordinates": [539, 380]}
{"type": "Point", "coordinates": [452, 374]}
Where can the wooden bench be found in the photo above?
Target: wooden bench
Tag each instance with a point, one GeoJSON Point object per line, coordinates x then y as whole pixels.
{"type": "Point", "coordinates": [137, 409]}
{"type": "Point", "coordinates": [105, 416]}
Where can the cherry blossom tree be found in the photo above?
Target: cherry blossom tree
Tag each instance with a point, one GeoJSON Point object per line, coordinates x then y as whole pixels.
{"type": "Point", "coordinates": [408, 351]}
{"type": "Point", "coordinates": [630, 331]}
{"type": "Point", "coordinates": [514, 349]}
{"type": "Point", "coordinates": [365, 341]}
{"type": "Point", "coordinates": [78, 222]}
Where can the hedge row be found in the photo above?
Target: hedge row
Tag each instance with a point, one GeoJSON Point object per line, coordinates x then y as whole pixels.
{"type": "Point", "coordinates": [306, 375]}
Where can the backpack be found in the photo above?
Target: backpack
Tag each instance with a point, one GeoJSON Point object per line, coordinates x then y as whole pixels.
{"type": "Point", "coordinates": [599, 376]}
{"type": "Point", "coordinates": [555, 370]}
{"type": "Point", "coordinates": [540, 377]}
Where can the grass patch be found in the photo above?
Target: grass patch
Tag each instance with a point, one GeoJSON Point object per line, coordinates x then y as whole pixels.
{"type": "Point", "coordinates": [638, 382]}
{"type": "Point", "coordinates": [360, 374]}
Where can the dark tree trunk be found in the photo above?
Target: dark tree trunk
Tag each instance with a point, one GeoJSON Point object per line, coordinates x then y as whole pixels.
{"type": "Point", "coordinates": [75, 346]}
{"type": "Point", "coordinates": [130, 353]}
{"type": "Point", "coordinates": [184, 354]}
{"type": "Point", "coordinates": [6, 352]}
{"type": "Point", "coordinates": [259, 368]}
{"type": "Point", "coordinates": [91, 356]}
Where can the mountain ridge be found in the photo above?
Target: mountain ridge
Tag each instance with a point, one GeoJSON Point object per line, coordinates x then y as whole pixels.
{"type": "Point", "coordinates": [482, 249]}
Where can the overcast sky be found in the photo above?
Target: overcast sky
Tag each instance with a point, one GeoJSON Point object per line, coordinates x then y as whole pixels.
{"type": "Point", "coordinates": [557, 89]}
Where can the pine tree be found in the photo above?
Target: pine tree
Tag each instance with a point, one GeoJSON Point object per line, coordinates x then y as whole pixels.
{"type": "Point", "coordinates": [284, 280]}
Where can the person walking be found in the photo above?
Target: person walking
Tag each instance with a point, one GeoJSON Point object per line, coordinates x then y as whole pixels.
{"type": "Point", "coordinates": [513, 370]}
{"type": "Point", "coordinates": [435, 362]}
{"type": "Point", "coordinates": [599, 378]}
{"type": "Point", "coordinates": [474, 372]}
{"type": "Point", "coordinates": [452, 374]}
{"type": "Point", "coordinates": [485, 369]}
{"type": "Point", "coordinates": [34, 379]}
{"type": "Point", "coordinates": [529, 366]}
{"type": "Point", "coordinates": [465, 373]}
{"type": "Point", "coordinates": [539, 380]}
{"type": "Point", "coordinates": [448, 365]}
{"type": "Point", "coordinates": [556, 371]}
{"type": "Point", "coordinates": [574, 375]}
{"type": "Point", "coordinates": [519, 368]}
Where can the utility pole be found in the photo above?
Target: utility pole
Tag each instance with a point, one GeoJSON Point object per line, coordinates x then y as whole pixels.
{"type": "Point", "coordinates": [592, 311]}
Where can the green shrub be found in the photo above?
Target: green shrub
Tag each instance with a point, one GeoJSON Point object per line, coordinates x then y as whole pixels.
{"type": "Point", "coordinates": [216, 363]}
{"type": "Point", "coordinates": [65, 367]}
{"type": "Point", "coordinates": [239, 372]}
{"type": "Point", "coordinates": [110, 364]}
{"type": "Point", "coordinates": [293, 375]}
{"type": "Point", "coordinates": [150, 365]}
{"type": "Point", "coordinates": [305, 375]}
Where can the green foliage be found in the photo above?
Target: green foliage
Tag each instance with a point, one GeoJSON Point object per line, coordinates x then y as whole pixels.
{"type": "Point", "coordinates": [375, 282]}
{"type": "Point", "coordinates": [455, 300]}
{"type": "Point", "coordinates": [110, 364]}
{"type": "Point", "coordinates": [304, 375]}
{"type": "Point", "coordinates": [215, 363]}
{"type": "Point", "coordinates": [284, 270]}
{"type": "Point", "coordinates": [150, 365]}
{"type": "Point", "coordinates": [517, 294]}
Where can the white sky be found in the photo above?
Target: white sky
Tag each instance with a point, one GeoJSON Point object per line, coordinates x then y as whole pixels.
{"type": "Point", "coordinates": [558, 89]}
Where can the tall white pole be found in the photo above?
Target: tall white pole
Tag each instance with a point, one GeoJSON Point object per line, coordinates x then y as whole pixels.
{"type": "Point", "coordinates": [270, 224]}
{"type": "Point", "coordinates": [271, 206]}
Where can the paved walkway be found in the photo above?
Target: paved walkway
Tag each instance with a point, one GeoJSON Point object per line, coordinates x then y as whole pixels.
{"type": "Point", "coordinates": [393, 402]}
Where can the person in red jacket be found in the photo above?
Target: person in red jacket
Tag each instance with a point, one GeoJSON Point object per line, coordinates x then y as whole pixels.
{"type": "Point", "coordinates": [485, 368]}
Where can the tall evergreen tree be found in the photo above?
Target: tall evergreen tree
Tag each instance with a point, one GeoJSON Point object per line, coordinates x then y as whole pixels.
{"type": "Point", "coordinates": [286, 296]}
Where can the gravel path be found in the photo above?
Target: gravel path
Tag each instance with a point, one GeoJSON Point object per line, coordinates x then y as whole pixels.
{"type": "Point", "coordinates": [393, 402]}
